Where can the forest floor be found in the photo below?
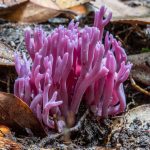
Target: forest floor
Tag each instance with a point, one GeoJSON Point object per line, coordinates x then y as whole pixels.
{"type": "Point", "coordinates": [92, 133]}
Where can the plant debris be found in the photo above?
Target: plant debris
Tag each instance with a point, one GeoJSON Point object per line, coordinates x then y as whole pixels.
{"type": "Point", "coordinates": [126, 13]}
{"type": "Point", "coordinates": [141, 67]}
{"type": "Point", "coordinates": [36, 11]}
{"type": "Point", "coordinates": [16, 114]}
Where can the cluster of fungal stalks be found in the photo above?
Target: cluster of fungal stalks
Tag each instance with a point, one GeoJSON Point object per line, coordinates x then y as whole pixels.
{"type": "Point", "coordinates": [71, 65]}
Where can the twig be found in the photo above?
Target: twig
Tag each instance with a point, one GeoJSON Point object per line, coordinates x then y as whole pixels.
{"type": "Point", "coordinates": [128, 34]}
{"type": "Point", "coordinates": [18, 46]}
{"type": "Point", "coordinates": [135, 94]}
{"type": "Point", "coordinates": [130, 103]}
{"type": "Point", "coordinates": [122, 42]}
{"type": "Point", "coordinates": [4, 82]}
{"type": "Point", "coordinates": [137, 87]}
{"type": "Point", "coordinates": [45, 140]}
{"type": "Point", "coordinates": [125, 30]}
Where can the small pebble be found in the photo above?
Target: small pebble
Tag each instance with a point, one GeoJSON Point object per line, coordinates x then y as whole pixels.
{"type": "Point", "coordinates": [12, 44]}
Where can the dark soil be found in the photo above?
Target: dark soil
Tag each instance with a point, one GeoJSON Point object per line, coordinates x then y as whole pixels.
{"type": "Point", "coordinates": [94, 132]}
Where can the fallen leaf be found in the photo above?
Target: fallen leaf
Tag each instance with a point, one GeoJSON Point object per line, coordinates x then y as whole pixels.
{"type": "Point", "coordinates": [31, 11]}
{"type": "Point", "coordinates": [6, 144]}
{"type": "Point", "coordinates": [141, 67]}
{"type": "Point", "coordinates": [63, 4]}
{"type": "Point", "coordinates": [134, 126]}
{"type": "Point", "coordinates": [140, 113]}
{"type": "Point", "coordinates": [14, 112]}
{"type": "Point", "coordinates": [37, 10]}
{"type": "Point", "coordinates": [9, 3]}
{"type": "Point", "coordinates": [80, 9]}
{"type": "Point", "coordinates": [7, 69]}
{"type": "Point", "coordinates": [124, 13]}
{"type": "Point", "coordinates": [6, 55]}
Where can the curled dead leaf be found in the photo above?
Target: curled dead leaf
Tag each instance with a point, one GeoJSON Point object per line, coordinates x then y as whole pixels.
{"type": "Point", "coordinates": [6, 55]}
{"type": "Point", "coordinates": [141, 67]}
{"type": "Point", "coordinates": [140, 113]}
{"type": "Point", "coordinates": [37, 10]}
{"type": "Point", "coordinates": [63, 4]}
{"type": "Point", "coordinates": [16, 114]}
{"type": "Point", "coordinates": [124, 13]}
{"type": "Point", "coordinates": [7, 69]}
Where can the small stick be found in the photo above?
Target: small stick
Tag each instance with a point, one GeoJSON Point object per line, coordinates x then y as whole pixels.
{"type": "Point", "coordinates": [44, 141]}
{"type": "Point", "coordinates": [137, 87]}
{"type": "Point", "coordinates": [18, 46]}
{"type": "Point", "coordinates": [134, 94]}
{"type": "Point", "coordinates": [4, 82]}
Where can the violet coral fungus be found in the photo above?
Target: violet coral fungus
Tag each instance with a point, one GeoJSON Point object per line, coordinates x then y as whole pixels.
{"type": "Point", "coordinates": [69, 64]}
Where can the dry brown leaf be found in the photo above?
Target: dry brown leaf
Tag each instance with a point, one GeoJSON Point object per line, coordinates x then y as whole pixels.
{"type": "Point", "coordinates": [6, 144]}
{"type": "Point", "coordinates": [124, 13]}
{"type": "Point", "coordinates": [37, 10]}
{"type": "Point", "coordinates": [64, 4]}
{"type": "Point", "coordinates": [140, 113]}
{"type": "Point", "coordinates": [7, 69]}
{"type": "Point", "coordinates": [14, 112]}
{"type": "Point", "coordinates": [7, 6]}
{"type": "Point", "coordinates": [9, 3]}
{"type": "Point", "coordinates": [6, 55]}
{"type": "Point", "coordinates": [31, 11]}
{"type": "Point", "coordinates": [80, 9]}
{"type": "Point", "coordinates": [141, 67]}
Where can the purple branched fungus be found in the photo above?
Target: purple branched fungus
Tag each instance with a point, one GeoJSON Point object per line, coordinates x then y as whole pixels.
{"type": "Point", "coordinates": [69, 64]}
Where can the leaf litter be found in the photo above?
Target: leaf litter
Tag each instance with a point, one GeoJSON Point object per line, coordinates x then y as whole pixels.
{"type": "Point", "coordinates": [16, 114]}
{"type": "Point", "coordinates": [29, 11]}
